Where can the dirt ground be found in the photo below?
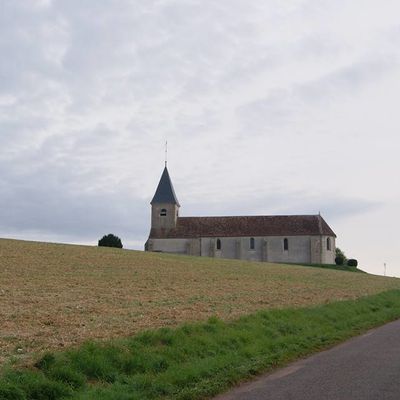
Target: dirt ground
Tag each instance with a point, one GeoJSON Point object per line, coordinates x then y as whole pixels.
{"type": "Point", "coordinates": [53, 296]}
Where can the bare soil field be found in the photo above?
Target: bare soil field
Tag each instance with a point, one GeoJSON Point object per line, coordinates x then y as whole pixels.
{"type": "Point", "coordinates": [53, 295]}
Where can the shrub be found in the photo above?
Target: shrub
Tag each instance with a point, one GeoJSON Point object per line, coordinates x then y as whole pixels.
{"type": "Point", "coordinates": [340, 257]}
{"type": "Point", "coordinates": [110, 240]}
{"type": "Point", "coordinates": [339, 260]}
{"type": "Point", "coordinates": [352, 262]}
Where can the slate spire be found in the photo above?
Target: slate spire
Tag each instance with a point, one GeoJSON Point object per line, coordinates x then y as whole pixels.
{"type": "Point", "coordinates": [165, 192]}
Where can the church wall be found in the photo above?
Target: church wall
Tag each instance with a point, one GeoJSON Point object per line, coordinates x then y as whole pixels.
{"type": "Point", "coordinates": [194, 247]}
{"type": "Point", "coordinates": [328, 256]}
{"type": "Point", "coordinates": [177, 246]}
{"type": "Point", "coordinates": [208, 247]}
{"type": "Point", "coordinates": [302, 249]}
{"type": "Point", "coordinates": [319, 251]}
{"type": "Point", "coordinates": [316, 248]}
{"type": "Point", "coordinates": [298, 251]}
{"type": "Point", "coordinates": [268, 248]}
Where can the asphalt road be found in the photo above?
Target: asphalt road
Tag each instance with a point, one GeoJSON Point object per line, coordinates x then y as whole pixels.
{"type": "Point", "coordinates": [364, 368]}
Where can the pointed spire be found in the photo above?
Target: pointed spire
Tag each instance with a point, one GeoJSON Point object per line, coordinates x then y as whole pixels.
{"type": "Point", "coordinates": [165, 192]}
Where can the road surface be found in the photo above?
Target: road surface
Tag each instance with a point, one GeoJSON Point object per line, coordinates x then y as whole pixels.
{"type": "Point", "coordinates": [364, 368]}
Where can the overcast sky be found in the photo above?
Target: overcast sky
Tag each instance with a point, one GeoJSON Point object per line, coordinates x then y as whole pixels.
{"type": "Point", "coordinates": [269, 107]}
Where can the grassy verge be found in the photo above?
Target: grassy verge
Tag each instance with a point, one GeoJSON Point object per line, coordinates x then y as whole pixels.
{"type": "Point", "coordinates": [197, 360]}
{"type": "Point", "coordinates": [333, 266]}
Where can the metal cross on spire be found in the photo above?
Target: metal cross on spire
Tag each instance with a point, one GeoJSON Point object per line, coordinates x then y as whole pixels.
{"type": "Point", "coordinates": [166, 152]}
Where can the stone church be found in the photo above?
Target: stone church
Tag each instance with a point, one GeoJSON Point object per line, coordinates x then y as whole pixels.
{"type": "Point", "coordinates": [270, 238]}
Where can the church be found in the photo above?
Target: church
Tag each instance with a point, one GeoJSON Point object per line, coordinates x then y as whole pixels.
{"type": "Point", "coordinates": [304, 239]}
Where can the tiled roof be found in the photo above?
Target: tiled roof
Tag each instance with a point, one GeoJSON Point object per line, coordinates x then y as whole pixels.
{"type": "Point", "coordinates": [276, 225]}
{"type": "Point", "coordinates": [165, 192]}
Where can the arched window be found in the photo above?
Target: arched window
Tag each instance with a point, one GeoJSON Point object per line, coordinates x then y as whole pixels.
{"type": "Point", "coordinates": [252, 244]}
{"type": "Point", "coordinates": [218, 244]}
{"type": "Point", "coordinates": [328, 243]}
{"type": "Point", "coordinates": [285, 244]}
{"type": "Point", "coordinates": [163, 212]}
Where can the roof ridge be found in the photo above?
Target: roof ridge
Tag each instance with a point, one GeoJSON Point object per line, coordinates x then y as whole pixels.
{"type": "Point", "coordinates": [251, 216]}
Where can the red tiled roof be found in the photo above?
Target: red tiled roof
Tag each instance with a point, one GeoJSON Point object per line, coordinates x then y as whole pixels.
{"type": "Point", "coordinates": [276, 225]}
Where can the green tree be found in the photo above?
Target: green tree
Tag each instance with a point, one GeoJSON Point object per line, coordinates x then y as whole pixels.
{"type": "Point", "coordinates": [110, 240]}
{"type": "Point", "coordinates": [340, 258]}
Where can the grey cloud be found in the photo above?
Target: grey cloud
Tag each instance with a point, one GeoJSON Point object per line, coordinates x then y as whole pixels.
{"type": "Point", "coordinates": [348, 79]}
{"type": "Point", "coordinates": [48, 204]}
{"type": "Point", "coordinates": [281, 202]}
{"type": "Point", "coordinates": [29, 37]}
{"type": "Point", "coordinates": [284, 106]}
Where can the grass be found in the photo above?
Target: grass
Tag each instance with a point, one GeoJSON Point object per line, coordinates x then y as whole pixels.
{"type": "Point", "coordinates": [334, 266]}
{"type": "Point", "coordinates": [56, 296]}
{"type": "Point", "coordinates": [195, 361]}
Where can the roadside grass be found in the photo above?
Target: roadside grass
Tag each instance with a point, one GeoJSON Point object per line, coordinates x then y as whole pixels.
{"type": "Point", "coordinates": [195, 361]}
{"type": "Point", "coordinates": [332, 266]}
{"type": "Point", "coordinates": [54, 296]}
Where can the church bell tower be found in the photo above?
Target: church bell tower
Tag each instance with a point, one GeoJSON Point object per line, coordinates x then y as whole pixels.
{"type": "Point", "coordinates": [165, 205]}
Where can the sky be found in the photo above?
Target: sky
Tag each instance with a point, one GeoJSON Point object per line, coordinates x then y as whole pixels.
{"type": "Point", "coordinates": [269, 107]}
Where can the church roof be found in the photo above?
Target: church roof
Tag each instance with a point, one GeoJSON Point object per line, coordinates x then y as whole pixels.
{"type": "Point", "coordinates": [275, 225]}
{"type": "Point", "coordinates": [165, 192]}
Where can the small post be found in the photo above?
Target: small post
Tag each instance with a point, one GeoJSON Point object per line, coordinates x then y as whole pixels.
{"type": "Point", "coordinates": [384, 269]}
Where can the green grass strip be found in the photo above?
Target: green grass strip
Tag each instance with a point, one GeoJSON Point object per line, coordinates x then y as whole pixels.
{"type": "Point", "coordinates": [345, 268]}
{"type": "Point", "coordinates": [195, 361]}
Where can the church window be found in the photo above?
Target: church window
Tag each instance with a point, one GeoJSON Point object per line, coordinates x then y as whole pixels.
{"type": "Point", "coordinates": [328, 243]}
{"type": "Point", "coordinates": [218, 244]}
{"type": "Point", "coordinates": [163, 212]}
{"type": "Point", "coordinates": [285, 244]}
{"type": "Point", "coordinates": [252, 244]}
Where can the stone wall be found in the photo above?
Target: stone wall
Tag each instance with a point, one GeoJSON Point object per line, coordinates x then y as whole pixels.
{"type": "Point", "coordinates": [167, 221]}
{"type": "Point", "coordinates": [302, 249]}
